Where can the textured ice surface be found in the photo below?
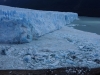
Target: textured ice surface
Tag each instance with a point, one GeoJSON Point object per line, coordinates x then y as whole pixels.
{"type": "Point", "coordinates": [19, 25]}
{"type": "Point", "coordinates": [66, 47]}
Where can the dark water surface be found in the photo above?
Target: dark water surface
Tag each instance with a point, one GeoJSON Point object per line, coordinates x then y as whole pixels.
{"type": "Point", "coordinates": [91, 24]}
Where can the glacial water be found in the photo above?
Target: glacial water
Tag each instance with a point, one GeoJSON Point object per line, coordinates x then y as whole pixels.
{"type": "Point", "coordinates": [89, 24]}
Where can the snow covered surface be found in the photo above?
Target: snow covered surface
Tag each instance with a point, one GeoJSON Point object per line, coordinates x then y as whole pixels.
{"type": "Point", "coordinates": [23, 25]}
{"type": "Point", "coordinates": [66, 47]}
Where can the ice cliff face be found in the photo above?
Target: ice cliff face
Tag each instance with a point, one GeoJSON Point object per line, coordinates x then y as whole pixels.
{"type": "Point", "coordinates": [19, 25]}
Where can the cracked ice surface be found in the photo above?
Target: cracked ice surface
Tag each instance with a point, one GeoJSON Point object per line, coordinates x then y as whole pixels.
{"type": "Point", "coordinates": [23, 25]}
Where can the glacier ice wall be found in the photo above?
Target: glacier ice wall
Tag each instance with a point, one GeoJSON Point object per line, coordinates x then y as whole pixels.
{"type": "Point", "coordinates": [19, 25]}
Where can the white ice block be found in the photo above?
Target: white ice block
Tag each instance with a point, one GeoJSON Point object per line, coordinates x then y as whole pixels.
{"type": "Point", "coordinates": [19, 25]}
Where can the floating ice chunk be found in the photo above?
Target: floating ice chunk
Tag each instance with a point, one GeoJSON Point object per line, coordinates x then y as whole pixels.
{"type": "Point", "coordinates": [27, 58]}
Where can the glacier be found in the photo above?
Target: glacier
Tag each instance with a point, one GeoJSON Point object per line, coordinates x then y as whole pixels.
{"type": "Point", "coordinates": [19, 25]}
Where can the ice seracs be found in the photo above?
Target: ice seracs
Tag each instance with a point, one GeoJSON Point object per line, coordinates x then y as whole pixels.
{"type": "Point", "coordinates": [19, 25]}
